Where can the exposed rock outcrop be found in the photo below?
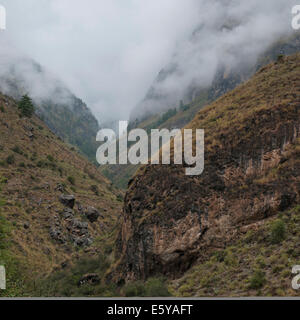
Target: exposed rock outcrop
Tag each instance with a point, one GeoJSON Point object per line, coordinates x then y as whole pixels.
{"type": "Point", "coordinates": [171, 220]}
{"type": "Point", "coordinates": [92, 214]}
{"type": "Point", "coordinates": [67, 200]}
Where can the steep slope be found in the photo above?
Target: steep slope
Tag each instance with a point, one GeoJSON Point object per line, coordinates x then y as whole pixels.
{"type": "Point", "coordinates": [172, 221]}
{"type": "Point", "coordinates": [64, 113]}
{"type": "Point", "coordinates": [224, 58]}
{"type": "Point", "coordinates": [180, 114]}
{"type": "Point", "coordinates": [41, 230]}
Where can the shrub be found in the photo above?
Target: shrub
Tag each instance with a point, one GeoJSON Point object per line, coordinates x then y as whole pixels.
{"type": "Point", "coordinates": [10, 159]}
{"type": "Point", "coordinates": [71, 180]}
{"type": "Point", "coordinates": [277, 231]}
{"type": "Point", "coordinates": [155, 287]}
{"type": "Point", "coordinates": [135, 289]}
{"type": "Point", "coordinates": [61, 172]}
{"type": "Point", "coordinates": [280, 58]}
{"type": "Point", "coordinates": [26, 106]}
{"type": "Point", "coordinates": [41, 164]}
{"type": "Point", "coordinates": [95, 189]}
{"type": "Point", "coordinates": [50, 158]}
{"type": "Point", "coordinates": [17, 150]}
{"type": "Point", "coordinates": [258, 280]}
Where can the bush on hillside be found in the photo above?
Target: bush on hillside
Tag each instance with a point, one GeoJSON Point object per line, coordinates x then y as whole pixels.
{"type": "Point", "coordinates": [26, 106]}
{"type": "Point", "coordinates": [277, 231]}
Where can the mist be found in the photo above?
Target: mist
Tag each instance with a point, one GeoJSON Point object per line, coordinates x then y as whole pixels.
{"type": "Point", "coordinates": [108, 53]}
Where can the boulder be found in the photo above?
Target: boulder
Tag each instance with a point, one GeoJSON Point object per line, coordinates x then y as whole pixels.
{"type": "Point", "coordinates": [26, 225]}
{"type": "Point", "coordinates": [67, 200]}
{"type": "Point", "coordinates": [92, 214]}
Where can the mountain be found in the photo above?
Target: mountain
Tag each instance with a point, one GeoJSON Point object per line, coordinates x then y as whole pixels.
{"type": "Point", "coordinates": [56, 210]}
{"type": "Point", "coordinates": [234, 230]}
{"type": "Point", "coordinates": [177, 115]}
{"type": "Point", "coordinates": [158, 99]}
{"type": "Point", "coordinates": [64, 113]}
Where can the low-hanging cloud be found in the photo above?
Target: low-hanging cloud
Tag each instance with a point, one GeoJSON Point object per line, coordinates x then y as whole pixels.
{"type": "Point", "coordinates": [230, 34]}
{"type": "Point", "coordinates": [109, 52]}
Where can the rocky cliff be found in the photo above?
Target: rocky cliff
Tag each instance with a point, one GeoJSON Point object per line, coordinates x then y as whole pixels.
{"type": "Point", "coordinates": [252, 172]}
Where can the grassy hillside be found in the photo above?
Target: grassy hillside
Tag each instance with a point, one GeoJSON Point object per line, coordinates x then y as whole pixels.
{"type": "Point", "coordinates": [259, 264]}
{"type": "Point", "coordinates": [38, 233]}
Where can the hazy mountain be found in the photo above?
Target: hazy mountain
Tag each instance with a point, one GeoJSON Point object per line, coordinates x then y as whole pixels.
{"type": "Point", "coordinates": [64, 113]}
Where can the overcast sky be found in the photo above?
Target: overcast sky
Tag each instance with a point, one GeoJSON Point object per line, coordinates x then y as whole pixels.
{"type": "Point", "coordinates": [109, 51]}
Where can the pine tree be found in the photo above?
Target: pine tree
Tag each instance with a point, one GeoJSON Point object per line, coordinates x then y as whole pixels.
{"type": "Point", "coordinates": [26, 106]}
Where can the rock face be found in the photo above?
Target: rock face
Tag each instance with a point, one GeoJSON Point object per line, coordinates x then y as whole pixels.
{"type": "Point", "coordinates": [252, 172]}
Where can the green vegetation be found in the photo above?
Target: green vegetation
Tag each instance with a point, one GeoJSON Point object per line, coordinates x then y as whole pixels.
{"type": "Point", "coordinates": [17, 150]}
{"type": "Point", "coordinates": [258, 280]}
{"type": "Point", "coordinates": [66, 283]}
{"type": "Point", "coordinates": [14, 281]}
{"type": "Point", "coordinates": [32, 177]}
{"type": "Point", "coordinates": [277, 231]}
{"type": "Point", "coordinates": [153, 287]}
{"type": "Point", "coordinates": [10, 159]}
{"type": "Point", "coordinates": [95, 189]}
{"type": "Point", "coordinates": [71, 180]}
{"type": "Point", "coordinates": [260, 266]}
{"type": "Point", "coordinates": [26, 106]}
{"type": "Point", "coordinates": [167, 115]}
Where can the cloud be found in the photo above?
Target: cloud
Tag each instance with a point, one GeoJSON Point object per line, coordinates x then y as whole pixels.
{"type": "Point", "coordinates": [228, 33]}
{"type": "Point", "coordinates": [109, 52]}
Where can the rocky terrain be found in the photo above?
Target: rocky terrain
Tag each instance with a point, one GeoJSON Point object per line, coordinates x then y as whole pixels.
{"type": "Point", "coordinates": [172, 222]}
{"type": "Point", "coordinates": [233, 231]}
{"type": "Point", "coordinates": [55, 206]}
